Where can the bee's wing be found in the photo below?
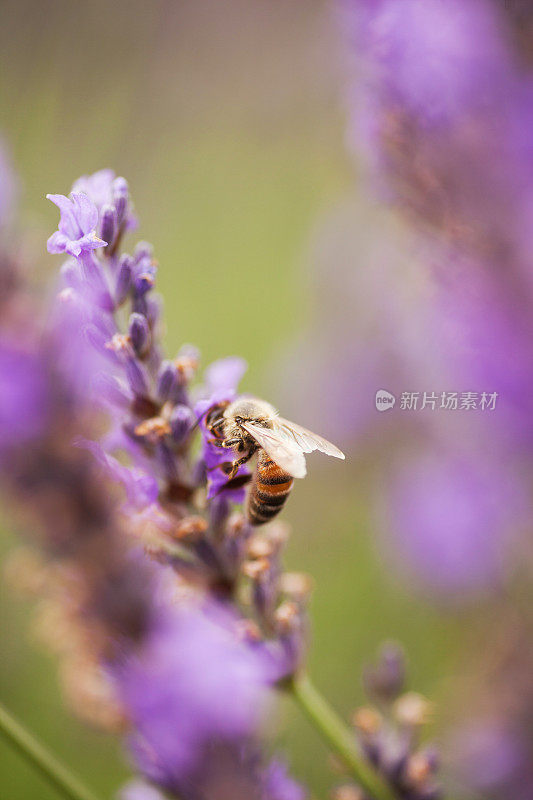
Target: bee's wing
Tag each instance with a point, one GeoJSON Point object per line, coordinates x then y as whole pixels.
{"type": "Point", "coordinates": [285, 452]}
{"type": "Point", "coordinates": [306, 440]}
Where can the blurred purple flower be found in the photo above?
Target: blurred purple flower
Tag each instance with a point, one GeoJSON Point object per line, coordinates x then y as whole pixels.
{"type": "Point", "coordinates": [458, 44]}
{"type": "Point", "coordinates": [24, 399]}
{"type": "Point", "coordinates": [484, 327]}
{"type": "Point", "coordinates": [80, 328]}
{"type": "Point", "coordinates": [494, 760]}
{"type": "Point", "coordinates": [139, 790]}
{"type": "Point", "coordinates": [76, 232]}
{"type": "Point", "coordinates": [193, 683]}
{"type": "Point", "coordinates": [9, 186]}
{"type": "Point", "coordinates": [279, 785]}
{"type": "Point", "coordinates": [441, 106]}
{"type": "Point", "coordinates": [141, 488]}
{"type": "Point", "coordinates": [224, 375]}
{"type": "Point", "coordinates": [442, 110]}
{"type": "Point", "coordinates": [452, 520]}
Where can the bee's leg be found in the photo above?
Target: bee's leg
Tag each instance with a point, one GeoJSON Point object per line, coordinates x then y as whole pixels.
{"type": "Point", "coordinates": [235, 483]}
{"type": "Point", "coordinates": [232, 444]}
{"type": "Point", "coordinates": [212, 426]}
{"type": "Point", "coordinates": [234, 466]}
{"type": "Point", "coordinates": [228, 443]}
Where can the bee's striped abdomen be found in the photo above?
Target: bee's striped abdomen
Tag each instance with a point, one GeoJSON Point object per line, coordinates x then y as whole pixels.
{"type": "Point", "coordinates": [270, 488]}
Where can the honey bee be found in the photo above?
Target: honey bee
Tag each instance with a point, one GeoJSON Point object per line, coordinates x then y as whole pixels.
{"type": "Point", "coordinates": [250, 426]}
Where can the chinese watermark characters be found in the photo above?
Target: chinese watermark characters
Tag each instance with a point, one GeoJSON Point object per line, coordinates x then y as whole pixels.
{"type": "Point", "coordinates": [448, 401]}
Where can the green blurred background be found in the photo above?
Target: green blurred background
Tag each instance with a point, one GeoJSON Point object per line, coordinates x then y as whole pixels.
{"type": "Point", "coordinates": [227, 120]}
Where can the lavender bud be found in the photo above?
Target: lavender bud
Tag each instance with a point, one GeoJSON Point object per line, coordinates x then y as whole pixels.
{"type": "Point", "coordinates": [154, 306]}
{"type": "Point", "coordinates": [394, 762]}
{"type": "Point", "coordinates": [167, 380]}
{"type": "Point", "coordinates": [121, 194]}
{"type": "Point", "coordinates": [143, 250]}
{"type": "Point", "coordinates": [385, 679]}
{"type": "Point", "coordinates": [137, 378]}
{"type": "Point", "coordinates": [145, 280]}
{"type": "Point", "coordinates": [139, 333]}
{"type": "Point", "coordinates": [181, 422]}
{"type": "Point", "coordinates": [219, 511]}
{"type": "Point", "coordinates": [108, 224]}
{"type": "Point", "coordinates": [432, 757]}
{"type": "Point", "coordinates": [140, 305]}
{"type": "Point", "coordinates": [199, 473]}
{"type": "Point", "coordinates": [124, 279]}
{"type": "Point", "coordinates": [167, 461]}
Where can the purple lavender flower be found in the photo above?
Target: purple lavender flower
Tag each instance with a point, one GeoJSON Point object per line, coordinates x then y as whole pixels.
{"type": "Point", "coordinates": [220, 386]}
{"type": "Point", "coordinates": [193, 688]}
{"type": "Point", "coordinates": [76, 232]}
{"type": "Point", "coordinates": [98, 187]}
{"type": "Point", "coordinates": [194, 682]}
{"type": "Point", "coordinates": [224, 376]}
{"type": "Point", "coordinates": [106, 190]}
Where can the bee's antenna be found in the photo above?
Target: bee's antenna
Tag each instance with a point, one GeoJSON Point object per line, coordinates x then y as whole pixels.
{"type": "Point", "coordinates": [199, 419]}
{"type": "Point", "coordinates": [204, 414]}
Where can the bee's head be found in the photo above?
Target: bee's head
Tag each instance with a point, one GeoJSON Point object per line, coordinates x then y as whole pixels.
{"type": "Point", "coordinates": [248, 409]}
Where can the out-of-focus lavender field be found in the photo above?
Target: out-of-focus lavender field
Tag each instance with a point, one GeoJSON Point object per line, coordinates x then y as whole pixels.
{"type": "Point", "coordinates": [341, 195]}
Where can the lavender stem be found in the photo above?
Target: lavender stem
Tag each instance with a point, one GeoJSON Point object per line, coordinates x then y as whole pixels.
{"type": "Point", "coordinates": [67, 784]}
{"type": "Point", "coordinates": [333, 729]}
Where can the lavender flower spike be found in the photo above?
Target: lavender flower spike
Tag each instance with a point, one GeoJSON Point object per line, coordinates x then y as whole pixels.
{"type": "Point", "coordinates": [76, 232]}
{"type": "Point", "coordinates": [194, 683]}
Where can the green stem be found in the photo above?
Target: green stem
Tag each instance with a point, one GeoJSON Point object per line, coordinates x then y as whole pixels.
{"type": "Point", "coordinates": [67, 784]}
{"type": "Point", "coordinates": [339, 737]}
